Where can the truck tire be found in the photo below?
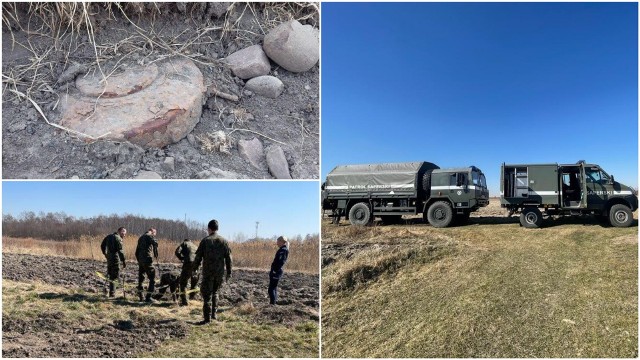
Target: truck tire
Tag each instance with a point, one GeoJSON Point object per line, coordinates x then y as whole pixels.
{"type": "Point", "coordinates": [360, 214]}
{"type": "Point", "coordinates": [531, 218]}
{"type": "Point", "coordinates": [440, 214]}
{"type": "Point", "coordinates": [391, 219]}
{"type": "Point", "coordinates": [620, 216]}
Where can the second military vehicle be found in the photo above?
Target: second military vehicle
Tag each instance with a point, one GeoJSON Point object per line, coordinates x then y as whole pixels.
{"type": "Point", "coordinates": [571, 189]}
{"type": "Point", "coordinates": [391, 190]}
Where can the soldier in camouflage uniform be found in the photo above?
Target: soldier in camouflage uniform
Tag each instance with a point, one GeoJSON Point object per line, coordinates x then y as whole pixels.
{"type": "Point", "coordinates": [215, 255]}
{"type": "Point", "coordinates": [186, 252]}
{"type": "Point", "coordinates": [145, 252]}
{"type": "Point", "coordinates": [112, 249]}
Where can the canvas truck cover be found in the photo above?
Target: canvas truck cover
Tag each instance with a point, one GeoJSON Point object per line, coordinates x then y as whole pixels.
{"type": "Point", "coordinates": [377, 177]}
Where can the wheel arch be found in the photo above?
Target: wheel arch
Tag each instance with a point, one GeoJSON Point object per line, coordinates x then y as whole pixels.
{"type": "Point", "coordinates": [615, 201]}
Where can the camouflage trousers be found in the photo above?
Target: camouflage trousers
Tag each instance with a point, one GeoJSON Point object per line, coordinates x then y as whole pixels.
{"type": "Point", "coordinates": [187, 275]}
{"type": "Point", "coordinates": [209, 291]}
{"type": "Point", "coordinates": [150, 272]}
{"type": "Point", "coordinates": [113, 273]}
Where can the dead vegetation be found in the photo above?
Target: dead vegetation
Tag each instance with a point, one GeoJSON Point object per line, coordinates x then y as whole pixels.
{"type": "Point", "coordinates": [499, 290]}
{"type": "Point", "coordinates": [254, 254]}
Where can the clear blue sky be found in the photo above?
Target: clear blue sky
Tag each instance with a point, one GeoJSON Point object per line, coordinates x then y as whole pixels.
{"type": "Point", "coordinates": [283, 208]}
{"type": "Point", "coordinates": [481, 83]}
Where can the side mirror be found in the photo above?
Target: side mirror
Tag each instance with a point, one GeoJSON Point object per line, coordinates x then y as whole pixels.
{"type": "Point", "coordinates": [460, 180]}
{"type": "Point", "coordinates": [611, 181]}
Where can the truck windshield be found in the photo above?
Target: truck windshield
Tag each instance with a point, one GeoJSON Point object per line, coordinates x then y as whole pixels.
{"type": "Point", "coordinates": [596, 175]}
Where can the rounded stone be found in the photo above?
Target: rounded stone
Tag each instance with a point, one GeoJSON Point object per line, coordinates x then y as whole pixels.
{"type": "Point", "coordinates": [268, 86]}
{"type": "Point", "coordinates": [151, 106]}
{"type": "Point", "coordinates": [293, 46]}
{"type": "Point", "coordinates": [277, 162]}
{"type": "Point", "coordinates": [249, 62]}
{"type": "Point", "coordinates": [147, 175]}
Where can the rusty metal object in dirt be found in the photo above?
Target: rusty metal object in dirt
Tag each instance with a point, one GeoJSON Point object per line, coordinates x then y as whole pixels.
{"type": "Point", "coordinates": [151, 106]}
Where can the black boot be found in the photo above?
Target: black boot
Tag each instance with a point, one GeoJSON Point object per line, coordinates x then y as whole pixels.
{"type": "Point", "coordinates": [206, 311]}
{"type": "Point", "coordinates": [149, 299]}
{"type": "Point", "coordinates": [112, 289]}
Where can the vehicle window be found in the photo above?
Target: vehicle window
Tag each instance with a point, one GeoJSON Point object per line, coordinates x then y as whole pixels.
{"type": "Point", "coordinates": [452, 179]}
{"type": "Point", "coordinates": [476, 178]}
{"type": "Point", "coordinates": [593, 175]}
{"type": "Point", "coordinates": [483, 181]}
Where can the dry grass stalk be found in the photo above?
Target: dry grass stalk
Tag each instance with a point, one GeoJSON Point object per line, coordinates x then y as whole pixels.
{"type": "Point", "coordinates": [303, 257]}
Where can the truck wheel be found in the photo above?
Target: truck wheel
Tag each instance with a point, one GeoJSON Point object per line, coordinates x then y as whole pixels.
{"type": "Point", "coordinates": [531, 218]}
{"type": "Point", "coordinates": [360, 214]}
{"type": "Point", "coordinates": [391, 219]}
{"type": "Point", "coordinates": [440, 214]}
{"type": "Point", "coordinates": [620, 216]}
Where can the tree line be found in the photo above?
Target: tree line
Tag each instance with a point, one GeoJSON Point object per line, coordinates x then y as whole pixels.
{"type": "Point", "coordinates": [60, 226]}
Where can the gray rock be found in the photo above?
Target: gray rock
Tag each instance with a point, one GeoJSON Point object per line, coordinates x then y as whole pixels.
{"type": "Point", "coordinates": [169, 164]}
{"type": "Point", "coordinates": [17, 125]}
{"type": "Point", "coordinates": [143, 174]}
{"type": "Point", "coordinates": [75, 177]}
{"type": "Point", "coordinates": [277, 162]}
{"type": "Point", "coordinates": [293, 46]}
{"type": "Point", "coordinates": [124, 171]}
{"type": "Point", "coordinates": [218, 9]}
{"type": "Point", "coordinates": [266, 85]}
{"type": "Point", "coordinates": [253, 151]}
{"type": "Point", "coordinates": [249, 62]}
{"type": "Point", "coordinates": [215, 173]}
{"type": "Point", "coordinates": [192, 140]}
{"type": "Point", "coordinates": [71, 72]}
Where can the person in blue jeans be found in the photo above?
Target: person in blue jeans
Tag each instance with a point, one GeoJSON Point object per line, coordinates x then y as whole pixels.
{"type": "Point", "coordinates": [276, 268]}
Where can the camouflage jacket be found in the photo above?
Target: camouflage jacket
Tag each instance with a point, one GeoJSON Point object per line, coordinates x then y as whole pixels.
{"type": "Point", "coordinates": [215, 254]}
{"type": "Point", "coordinates": [186, 252]}
{"type": "Point", "coordinates": [112, 248]}
{"type": "Point", "coordinates": [147, 249]}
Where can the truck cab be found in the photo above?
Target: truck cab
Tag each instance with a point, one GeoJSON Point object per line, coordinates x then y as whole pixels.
{"type": "Point", "coordinates": [567, 189]}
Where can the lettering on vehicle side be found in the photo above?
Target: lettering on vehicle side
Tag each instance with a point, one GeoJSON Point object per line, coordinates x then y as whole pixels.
{"type": "Point", "coordinates": [600, 192]}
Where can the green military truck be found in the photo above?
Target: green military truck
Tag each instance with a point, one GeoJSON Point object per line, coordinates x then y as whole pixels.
{"type": "Point", "coordinates": [572, 189]}
{"type": "Point", "coordinates": [390, 190]}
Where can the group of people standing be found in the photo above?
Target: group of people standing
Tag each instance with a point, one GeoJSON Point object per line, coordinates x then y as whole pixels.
{"type": "Point", "coordinates": [213, 253]}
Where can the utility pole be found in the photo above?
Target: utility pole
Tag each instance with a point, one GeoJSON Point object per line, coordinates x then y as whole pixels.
{"type": "Point", "coordinates": [257, 223]}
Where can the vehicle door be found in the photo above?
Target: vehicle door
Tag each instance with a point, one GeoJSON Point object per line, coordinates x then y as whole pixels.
{"type": "Point", "coordinates": [459, 191]}
{"type": "Point", "coordinates": [597, 193]}
{"type": "Point", "coordinates": [583, 186]}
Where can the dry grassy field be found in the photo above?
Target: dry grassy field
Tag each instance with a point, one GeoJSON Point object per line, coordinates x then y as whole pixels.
{"type": "Point", "coordinates": [488, 289]}
{"type": "Point", "coordinates": [258, 254]}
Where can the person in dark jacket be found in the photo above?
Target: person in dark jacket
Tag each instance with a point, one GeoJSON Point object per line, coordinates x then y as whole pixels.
{"type": "Point", "coordinates": [146, 250]}
{"type": "Point", "coordinates": [186, 252]}
{"type": "Point", "coordinates": [215, 255]}
{"type": "Point", "coordinates": [276, 268]}
{"type": "Point", "coordinates": [112, 249]}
